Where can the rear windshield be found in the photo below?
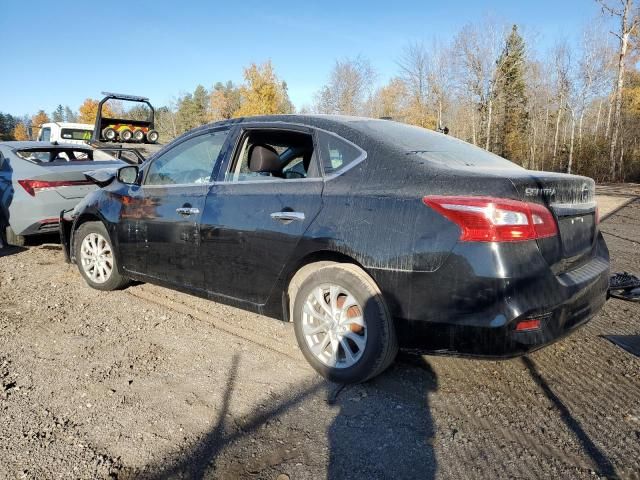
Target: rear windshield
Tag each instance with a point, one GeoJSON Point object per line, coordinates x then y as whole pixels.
{"type": "Point", "coordinates": [75, 134]}
{"type": "Point", "coordinates": [434, 147]}
{"type": "Point", "coordinates": [63, 155]}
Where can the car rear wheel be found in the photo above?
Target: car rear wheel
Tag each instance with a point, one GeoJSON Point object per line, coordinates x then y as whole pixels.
{"type": "Point", "coordinates": [342, 324]}
{"type": "Point", "coordinates": [125, 135]}
{"type": "Point", "coordinates": [95, 257]}
{"type": "Point", "coordinates": [109, 134]}
{"type": "Point", "coordinates": [13, 239]}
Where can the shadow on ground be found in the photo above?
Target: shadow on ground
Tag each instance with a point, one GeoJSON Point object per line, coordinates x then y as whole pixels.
{"type": "Point", "coordinates": [370, 436]}
{"type": "Point", "coordinates": [32, 241]}
{"type": "Point", "coordinates": [10, 250]}
{"type": "Point", "coordinates": [604, 465]}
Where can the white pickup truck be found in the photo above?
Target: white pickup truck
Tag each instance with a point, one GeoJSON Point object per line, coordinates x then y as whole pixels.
{"type": "Point", "coordinates": [65, 132]}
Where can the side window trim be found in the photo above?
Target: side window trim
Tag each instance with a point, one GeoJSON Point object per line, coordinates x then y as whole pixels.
{"type": "Point", "coordinates": [220, 160]}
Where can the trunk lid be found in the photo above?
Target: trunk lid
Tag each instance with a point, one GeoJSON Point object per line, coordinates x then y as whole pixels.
{"type": "Point", "coordinates": [571, 199]}
{"type": "Point", "coordinates": [72, 173]}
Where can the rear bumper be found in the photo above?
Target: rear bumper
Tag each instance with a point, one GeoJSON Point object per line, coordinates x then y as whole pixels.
{"type": "Point", "coordinates": [456, 311]}
{"type": "Point", "coordinates": [504, 341]}
{"type": "Point", "coordinates": [33, 216]}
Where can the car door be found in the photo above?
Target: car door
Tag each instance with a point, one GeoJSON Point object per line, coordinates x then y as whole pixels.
{"type": "Point", "coordinates": [159, 230]}
{"type": "Point", "coordinates": [252, 223]}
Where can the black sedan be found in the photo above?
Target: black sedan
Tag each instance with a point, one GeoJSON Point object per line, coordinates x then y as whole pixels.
{"type": "Point", "coordinates": [368, 235]}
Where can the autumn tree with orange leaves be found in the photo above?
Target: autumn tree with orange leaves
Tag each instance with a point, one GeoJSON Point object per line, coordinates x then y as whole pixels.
{"type": "Point", "coordinates": [20, 132]}
{"type": "Point", "coordinates": [263, 93]}
{"type": "Point", "coordinates": [37, 120]}
{"type": "Point", "coordinates": [89, 111]}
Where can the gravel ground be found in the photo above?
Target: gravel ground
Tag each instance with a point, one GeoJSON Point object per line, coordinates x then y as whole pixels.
{"type": "Point", "coordinates": [150, 383]}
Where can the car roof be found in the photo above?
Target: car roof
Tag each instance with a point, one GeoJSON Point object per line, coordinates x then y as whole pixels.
{"type": "Point", "coordinates": [343, 125]}
{"type": "Point", "coordinates": [312, 120]}
{"type": "Point", "coordinates": [31, 145]}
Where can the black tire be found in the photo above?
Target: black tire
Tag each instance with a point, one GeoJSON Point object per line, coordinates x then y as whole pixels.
{"type": "Point", "coordinates": [152, 136]}
{"type": "Point", "coordinates": [125, 135]}
{"type": "Point", "coordinates": [109, 134]}
{"type": "Point", "coordinates": [115, 280]}
{"type": "Point", "coordinates": [13, 239]}
{"type": "Point", "coordinates": [138, 135]}
{"type": "Point", "coordinates": [381, 344]}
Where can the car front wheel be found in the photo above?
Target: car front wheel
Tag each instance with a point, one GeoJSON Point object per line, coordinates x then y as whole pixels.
{"type": "Point", "coordinates": [342, 324]}
{"type": "Point", "coordinates": [95, 257]}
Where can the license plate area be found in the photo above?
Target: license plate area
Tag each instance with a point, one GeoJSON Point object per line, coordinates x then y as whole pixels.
{"type": "Point", "coordinates": [576, 234]}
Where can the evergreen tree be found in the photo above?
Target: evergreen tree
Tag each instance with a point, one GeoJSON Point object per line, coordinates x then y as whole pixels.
{"type": "Point", "coordinates": [192, 109]}
{"type": "Point", "coordinates": [70, 115]}
{"type": "Point", "coordinates": [511, 99]}
{"type": "Point", "coordinates": [7, 125]}
{"type": "Point", "coordinates": [58, 114]}
{"type": "Point", "coordinates": [200, 105]}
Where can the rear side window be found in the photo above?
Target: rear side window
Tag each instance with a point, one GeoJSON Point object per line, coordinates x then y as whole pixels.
{"type": "Point", "coordinates": [337, 153]}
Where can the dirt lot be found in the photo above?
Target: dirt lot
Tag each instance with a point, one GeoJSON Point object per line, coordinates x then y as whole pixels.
{"type": "Point", "coordinates": [149, 383]}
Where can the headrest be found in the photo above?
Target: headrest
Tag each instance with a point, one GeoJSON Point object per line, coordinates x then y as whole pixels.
{"type": "Point", "coordinates": [263, 158]}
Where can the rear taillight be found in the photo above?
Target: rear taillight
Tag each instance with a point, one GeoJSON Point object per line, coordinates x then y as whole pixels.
{"type": "Point", "coordinates": [597, 215]}
{"type": "Point", "coordinates": [487, 219]}
{"type": "Point", "coordinates": [34, 186]}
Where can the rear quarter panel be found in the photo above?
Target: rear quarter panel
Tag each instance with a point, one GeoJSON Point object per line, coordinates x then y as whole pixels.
{"type": "Point", "coordinates": [374, 214]}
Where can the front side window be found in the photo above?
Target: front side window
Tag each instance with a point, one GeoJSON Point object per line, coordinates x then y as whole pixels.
{"type": "Point", "coordinates": [45, 136]}
{"type": "Point", "coordinates": [337, 153]}
{"type": "Point", "coordinates": [190, 162]}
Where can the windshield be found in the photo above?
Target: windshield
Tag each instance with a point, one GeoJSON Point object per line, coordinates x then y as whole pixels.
{"type": "Point", "coordinates": [75, 134]}
{"type": "Point", "coordinates": [434, 147]}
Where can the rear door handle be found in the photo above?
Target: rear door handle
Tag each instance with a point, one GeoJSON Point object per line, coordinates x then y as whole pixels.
{"type": "Point", "coordinates": [187, 211]}
{"type": "Point", "coordinates": [288, 217]}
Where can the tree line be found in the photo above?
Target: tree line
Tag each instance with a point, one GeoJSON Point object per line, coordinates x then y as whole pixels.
{"type": "Point", "coordinates": [572, 108]}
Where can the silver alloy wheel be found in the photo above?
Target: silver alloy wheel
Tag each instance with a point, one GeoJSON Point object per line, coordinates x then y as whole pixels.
{"type": "Point", "coordinates": [96, 258]}
{"type": "Point", "coordinates": [333, 326]}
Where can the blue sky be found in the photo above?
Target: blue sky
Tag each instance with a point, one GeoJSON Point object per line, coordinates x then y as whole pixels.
{"type": "Point", "coordinates": [63, 52]}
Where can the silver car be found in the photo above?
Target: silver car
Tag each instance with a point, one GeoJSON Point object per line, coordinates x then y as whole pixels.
{"type": "Point", "coordinates": [38, 180]}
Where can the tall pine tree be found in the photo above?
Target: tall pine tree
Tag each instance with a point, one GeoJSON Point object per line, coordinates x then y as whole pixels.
{"type": "Point", "coordinates": [511, 100]}
{"type": "Point", "coordinates": [70, 115]}
{"type": "Point", "coordinates": [58, 114]}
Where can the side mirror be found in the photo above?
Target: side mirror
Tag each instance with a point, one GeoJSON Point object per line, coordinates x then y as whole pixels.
{"type": "Point", "coordinates": [128, 175]}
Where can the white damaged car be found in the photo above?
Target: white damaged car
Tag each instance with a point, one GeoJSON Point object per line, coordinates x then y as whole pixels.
{"type": "Point", "coordinates": [40, 179]}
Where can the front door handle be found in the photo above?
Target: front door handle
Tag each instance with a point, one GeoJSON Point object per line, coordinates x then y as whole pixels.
{"type": "Point", "coordinates": [187, 211]}
{"type": "Point", "coordinates": [288, 217]}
